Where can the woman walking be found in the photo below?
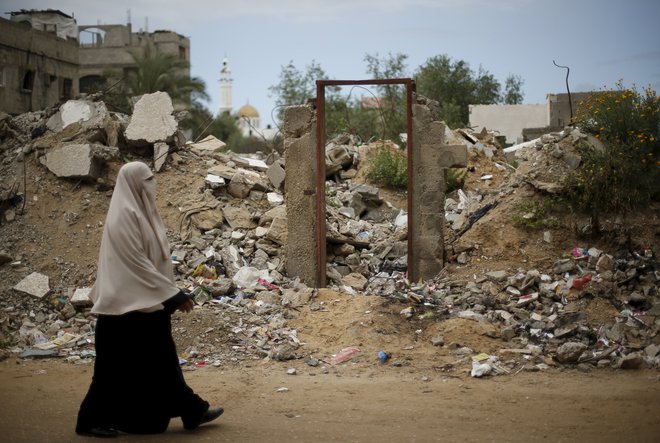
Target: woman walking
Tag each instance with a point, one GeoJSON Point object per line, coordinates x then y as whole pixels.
{"type": "Point", "coordinates": [137, 385]}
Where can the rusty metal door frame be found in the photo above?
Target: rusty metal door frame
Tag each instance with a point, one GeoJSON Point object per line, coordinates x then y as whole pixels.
{"type": "Point", "coordinates": [320, 164]}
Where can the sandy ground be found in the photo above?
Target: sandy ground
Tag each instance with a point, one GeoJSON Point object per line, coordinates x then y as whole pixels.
{"type": "Point", "coordinates": [375, 402]}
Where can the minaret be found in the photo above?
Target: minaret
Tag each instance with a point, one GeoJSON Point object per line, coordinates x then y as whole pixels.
{"type": "Point", "coordinates": [225, 87]}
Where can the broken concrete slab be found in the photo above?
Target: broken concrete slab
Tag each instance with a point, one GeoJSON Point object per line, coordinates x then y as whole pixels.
{"type": "Point", "coordinates": [80, 297]}
{"type": "Point", "coordinates": [570, 352]}
{"type": "Point", "coordinates": [355, 281]}
{"type": "Point", "coordinates": [239, 217]}
{"type": "Point", "coordinates": [207, 146]}
{"type": "Point", "coordinates": [296, 297]}
{"type": "Point", "coordinates": [276, 174]}
{"type": "Point", "coordinates": [248, 162]}
{"type": "Point", "coordinates": [222, 170]}
{"type": "Point", "coordinates": [275, 198]}
{"type": "Point", "coordinates": [34, 284]}
{"type": "Point", "coordinates": [74, 161]}
{"type": "Point", "coordinates": [278, 231]}
{"type": "Point", "coordinates": [152, 120]}
{"type": "Point", "coordinates": [88, 114]}
{"type": "Point", "coordinates": [244, 181]}
{"type": "Point", "coordinates": [160, 155]}
{"type": "Point", "coordinates": [214, 181]}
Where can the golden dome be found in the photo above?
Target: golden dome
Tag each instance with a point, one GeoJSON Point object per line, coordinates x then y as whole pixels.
{"type": "Point", "coordinates": [248, 111]}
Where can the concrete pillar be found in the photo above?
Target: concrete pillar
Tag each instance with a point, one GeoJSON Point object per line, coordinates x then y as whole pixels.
{"type": "Point", "coordinates": [301, 249]}
{"type": "Point", "coordinates": [431, 158]}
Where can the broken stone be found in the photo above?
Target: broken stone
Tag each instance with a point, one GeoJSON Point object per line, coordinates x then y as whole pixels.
{"type": "Point", "coordinates": [249, 162]}
{"type": "Point", "coordinates": [508, 333]}
{"type": "Point", "coordinates": [564, 265]}
{"type": "Point", "coordinates": [631, 361]}
{"type": "Point", "coordinates": [570, 352]}
{"type": "Point", "coordinates": [223, 171]}
{"type": "Point", "coordinates": [160, 155]}
{"type": "Point", "coordinates": [274, 198]}
{"type": "Point", "coordinates": [214, 181]}
{"type": "Point", "coordinates": [73, 161]}
{"type": "Point", "coordinates": [497, 275]}
{"type": "Point", "coordinates": [605, 263]}
{"type": "Point", "coordinates": [565, 331]}
{"type": "Point", "coordinates": [88, 114]}
{"type": "Point", "coordinates": [652, 350]}
{"type": "Point", "coordinates": [238, 217]}
{"type": "Point", "coordinates": [207, 146]}
{"type": "Point", "coordinates": [34, 284]}
{"type": "Point", "coordinates": [243, 182]}
{"type": "Point", "coordinates": [152, 120]}
{"type": "Point", "coordinates": [276, 175]}
{"type": "Point", "coordinates": [80, 297]}
{"type": "Point", "coordinates": [355, 281]}
{"type": "Point", "coordinates": [297, 297]}
{"type": "Point", "coordinates": [278, 231]}
{"type": "Point", "coordinates": [437, 340]}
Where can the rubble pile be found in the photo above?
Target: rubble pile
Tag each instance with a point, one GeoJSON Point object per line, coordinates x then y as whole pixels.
{"type": "Point", "coordinates": [591, 309]}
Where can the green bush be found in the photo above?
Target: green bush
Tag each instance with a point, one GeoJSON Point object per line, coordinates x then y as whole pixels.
{"type": "Point", "coordinates": [389, 168]}
{"type": "Point", "coordinates": [538, 214]}
{"type": "Point", "coordinates": [625, 174]}
{"type": "Point", "coordinates": [455, 179]}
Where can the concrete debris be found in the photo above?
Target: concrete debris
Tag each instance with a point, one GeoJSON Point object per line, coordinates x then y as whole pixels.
{"type": "Point", "coordinates": [229, 250]}
{"type": "Point", "coordinates": [73, 161]}
{"type": "Point", "coordinates": [152, 120]}
{"type": "Point", "coordinates": [88, 114]}
{"type": "Point", "coordinates": [34, 284]}
{"type": "Point", "coordinates": [207, 146]}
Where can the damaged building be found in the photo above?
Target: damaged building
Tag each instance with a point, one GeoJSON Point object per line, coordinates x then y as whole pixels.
{"type": "Point", "coordinates": [38, 60]}
{"type": "Point", "coordinates": [46, 58]}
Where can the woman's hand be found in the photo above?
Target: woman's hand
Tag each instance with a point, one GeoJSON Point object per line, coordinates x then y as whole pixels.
{"type": "Point", "coordinates": [186, 306]}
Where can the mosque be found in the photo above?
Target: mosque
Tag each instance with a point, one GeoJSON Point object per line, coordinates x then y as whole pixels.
{"type": "Point", "coordinates": [247, 117]}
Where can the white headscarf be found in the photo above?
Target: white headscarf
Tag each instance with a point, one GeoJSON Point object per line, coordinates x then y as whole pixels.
{"type": "Point", "coordinates": [134, 270]}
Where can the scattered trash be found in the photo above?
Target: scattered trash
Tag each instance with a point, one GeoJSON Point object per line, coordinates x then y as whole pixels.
{"type": "Point", "coordinates": [201, 295]}
{"type": "Point", "coordinates": [383, 356]}
{"type": "Point", "coordinates": [343, 355]}
{"type": "Point", "coordinates": [579, 282]}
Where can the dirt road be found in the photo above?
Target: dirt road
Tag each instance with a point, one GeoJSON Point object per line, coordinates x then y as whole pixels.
{"type": "Point", "coordinates": [350, 402]}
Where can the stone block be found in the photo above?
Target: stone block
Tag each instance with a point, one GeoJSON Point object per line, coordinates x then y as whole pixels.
{"type": "Point", "coordinates": [276, 174]}
{"type": "Point", "coordinates": [73, 161]}
{"type": "Point", "coordinates": [152, 120]}
{"type": "Point", "coordinates": [34, 284]}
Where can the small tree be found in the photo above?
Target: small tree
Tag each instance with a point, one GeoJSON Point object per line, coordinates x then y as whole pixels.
{"type": "Point", "coordinates": [154, 71]}
{"type": "Point", "coordinates": [513, 90]}
{"type": "Point", "coordinates": [297, 87]}
{"type": "Point", "coordinates": [455, 86]}
{"type": "Point", "coordinates": [391, 97]}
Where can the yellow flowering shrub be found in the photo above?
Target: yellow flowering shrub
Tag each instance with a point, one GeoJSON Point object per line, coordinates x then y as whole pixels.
{"type": "Point", "coordinates": [625, 174]}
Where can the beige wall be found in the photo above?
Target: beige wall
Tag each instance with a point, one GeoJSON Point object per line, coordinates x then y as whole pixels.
{"type": "Point", "coordinates": [509, 120]}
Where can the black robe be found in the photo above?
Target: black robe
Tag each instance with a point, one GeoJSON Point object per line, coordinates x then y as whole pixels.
{"type": "Point", "coordinates": [138, 384]}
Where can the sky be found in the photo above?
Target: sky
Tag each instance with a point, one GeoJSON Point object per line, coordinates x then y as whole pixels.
{"type": "Point", "coordinates": [601, 41]}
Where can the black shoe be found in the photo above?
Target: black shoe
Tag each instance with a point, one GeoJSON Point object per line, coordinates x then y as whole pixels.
{"type": "Point", "coordinates": [98, 432]}
{"type": "Point", "coordinates": [209, 415]}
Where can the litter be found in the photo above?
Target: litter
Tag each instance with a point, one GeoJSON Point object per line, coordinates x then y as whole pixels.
{"type": "Point", "coordinates": [343, 355]}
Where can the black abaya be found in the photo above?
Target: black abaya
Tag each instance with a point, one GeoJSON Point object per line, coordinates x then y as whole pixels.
{"type": "Point", "coordinates": [137, 384]}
